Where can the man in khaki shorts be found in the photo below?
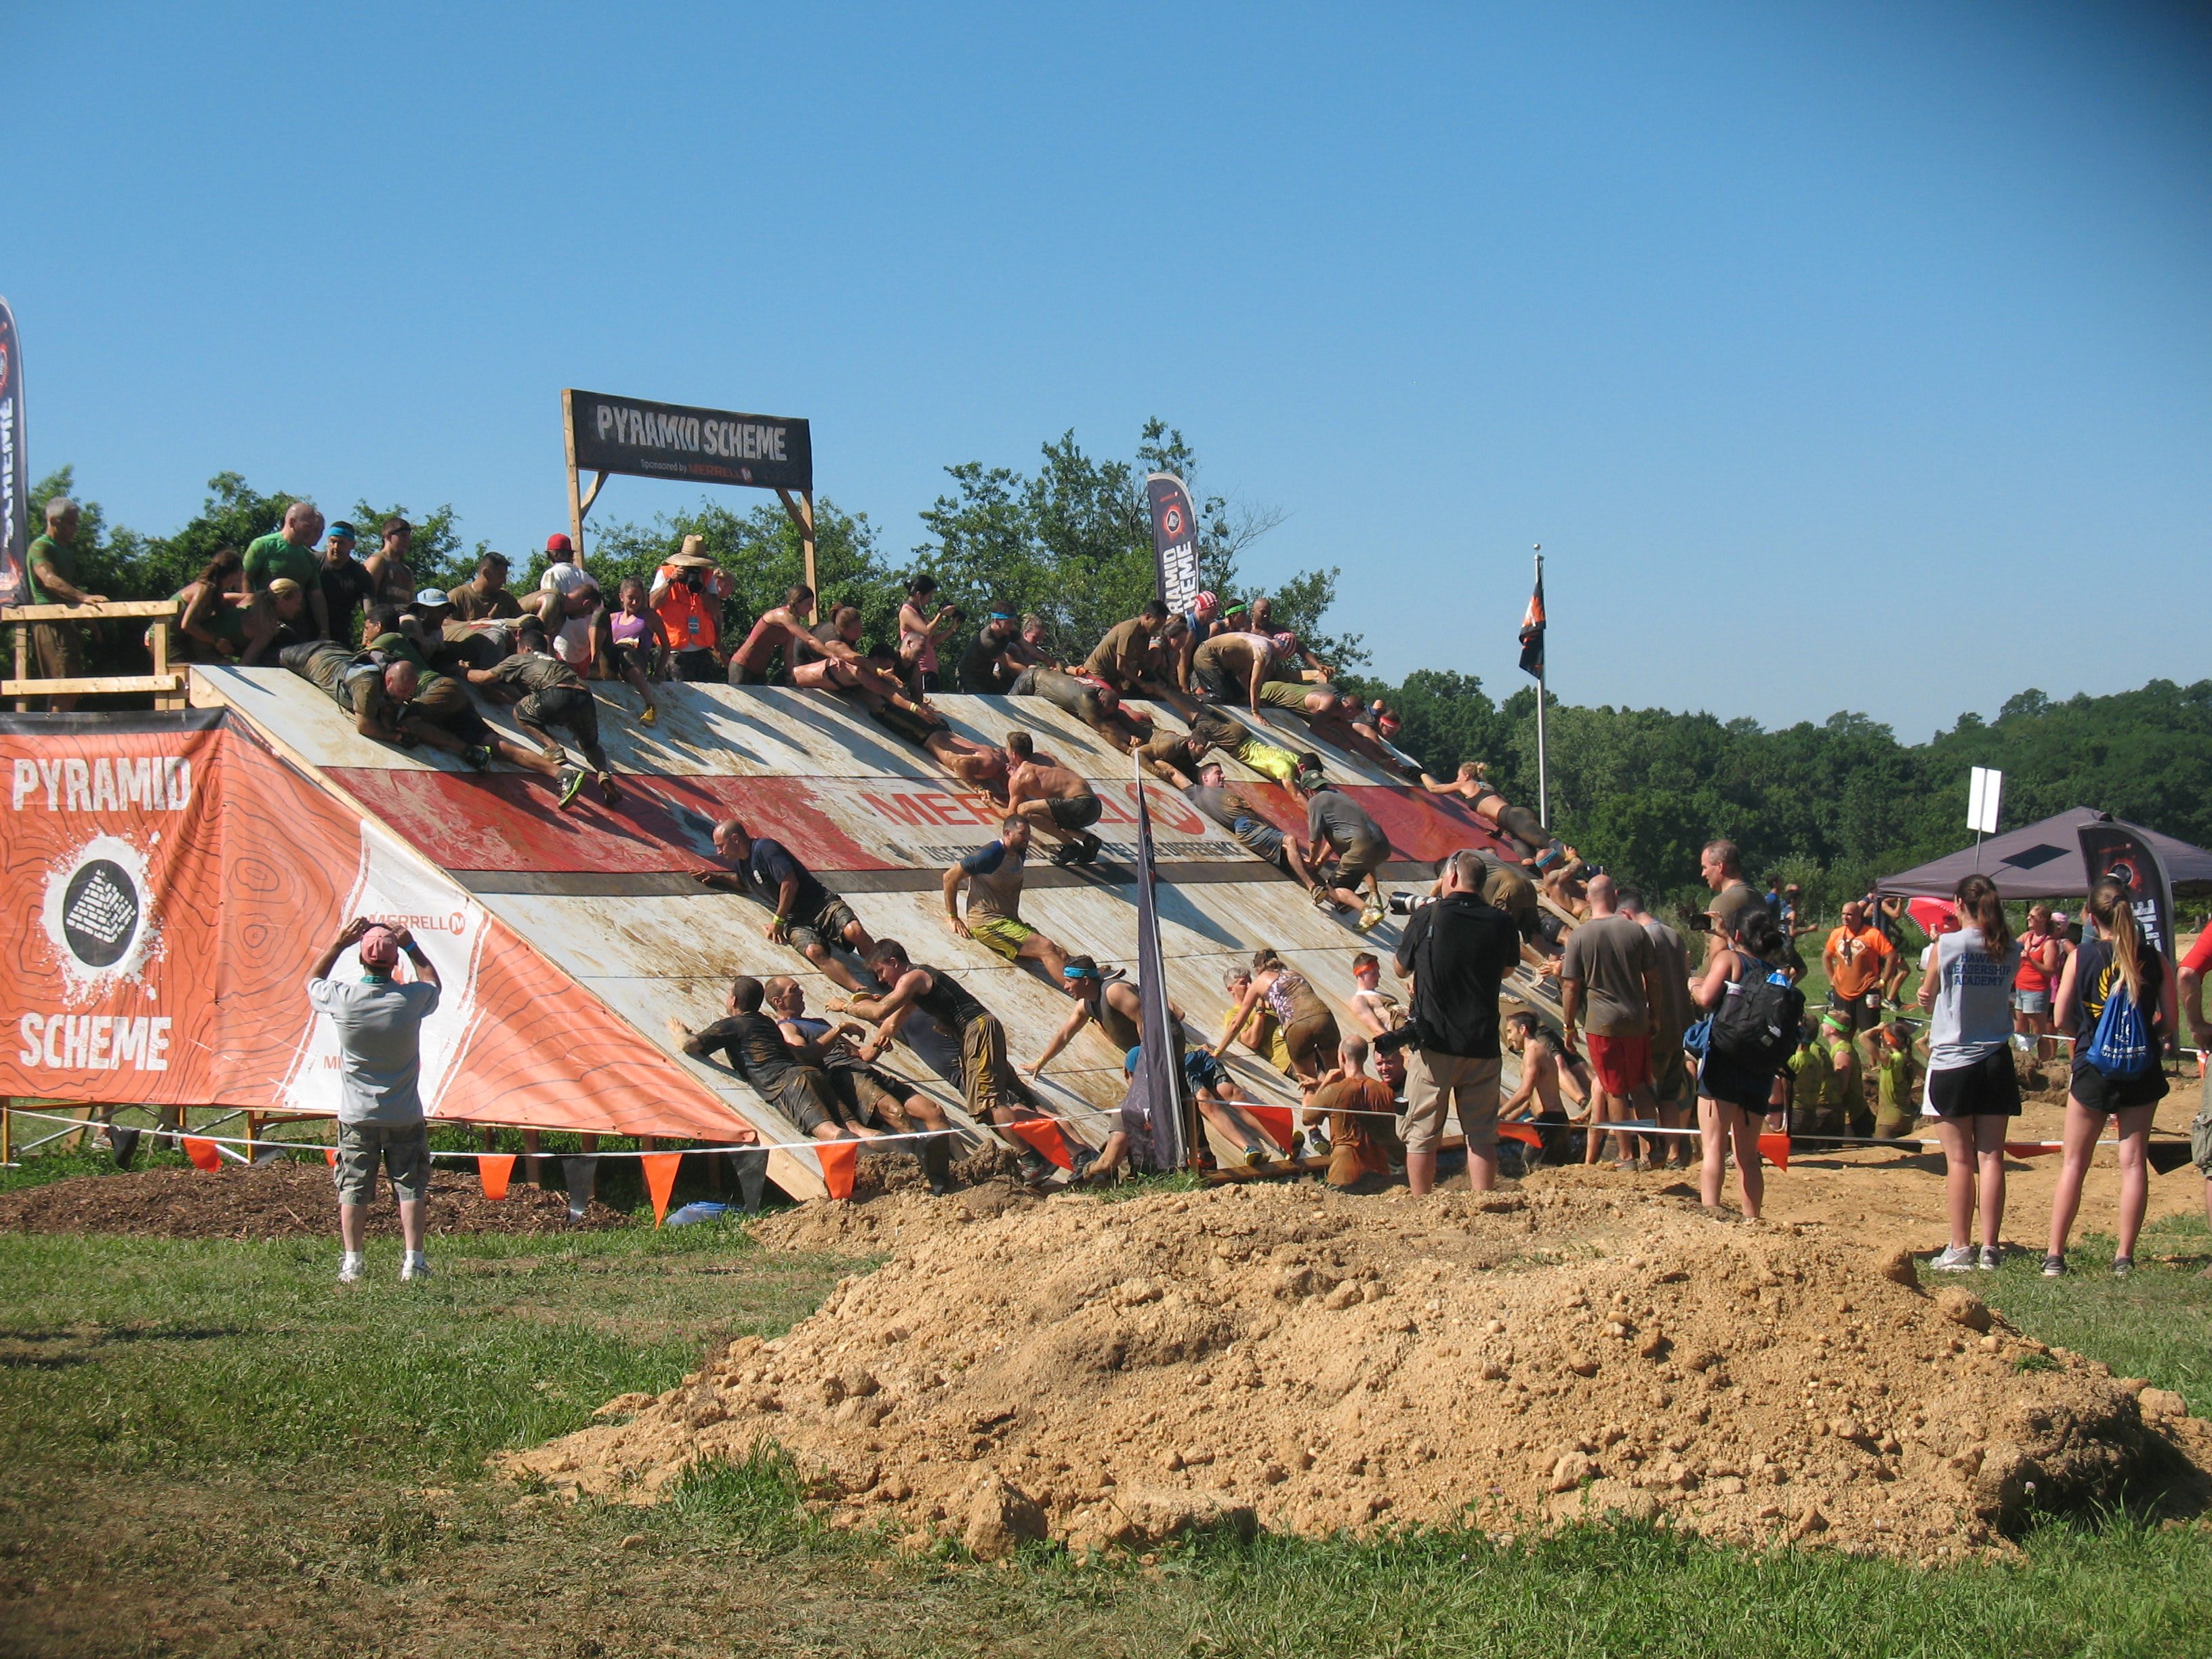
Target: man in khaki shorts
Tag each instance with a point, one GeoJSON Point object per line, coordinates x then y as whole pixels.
{"type": "Point", "coordinates": [381, 1121]}
{"type": "Point", "coordinates": [1455, 952]}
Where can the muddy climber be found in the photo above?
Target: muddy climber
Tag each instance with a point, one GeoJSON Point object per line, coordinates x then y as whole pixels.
{"type": "Point", "coordinates": [806, 914]}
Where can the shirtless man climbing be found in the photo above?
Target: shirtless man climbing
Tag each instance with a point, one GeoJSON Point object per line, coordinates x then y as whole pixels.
{"type": "Point", "coordinates": [1052, 798]}
{"type": "Point", "coordinates": [784, 625]}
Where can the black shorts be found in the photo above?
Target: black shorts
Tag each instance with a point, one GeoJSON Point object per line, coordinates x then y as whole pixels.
{"type": "Point", "coordinates": [1864, 1012]}
{"type": "Point", "coordinates": [1989, 1087]}
{"type": "Point", "coordinates": [698, 665]}
{"type": "Point", "coordinates": [1075, 812]}
{"type": "Point", "coordinates": [1214, 683]}
{"type": "Point", "coordinates": [1729, 1083]}
{"type": "Point", "coordinates": [639, 657]}
{"type": "Point", "coordinates": [807, 1096]}
{"type": "Point", "coordinates": [2101, 1093]}
{"type": "Point", "coordinates": [571, 707]}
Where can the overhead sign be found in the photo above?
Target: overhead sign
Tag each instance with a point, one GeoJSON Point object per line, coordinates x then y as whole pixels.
{"type": "Point", "coordinates": [670, 441]}
{"type": "Point", "coordinates": [14, 466]}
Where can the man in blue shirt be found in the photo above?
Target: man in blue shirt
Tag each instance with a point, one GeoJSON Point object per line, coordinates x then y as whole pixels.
{"type": "Point", "coordinates": [807, 915]}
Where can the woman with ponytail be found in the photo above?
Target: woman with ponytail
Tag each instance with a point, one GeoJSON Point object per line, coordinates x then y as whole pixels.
{"type": "Point", "coordinates": [1736, 1094]}
{"type": "Point", "coordinates": [1973, 1090]}
{"type": "Point", "coordinates": [2115, 961]}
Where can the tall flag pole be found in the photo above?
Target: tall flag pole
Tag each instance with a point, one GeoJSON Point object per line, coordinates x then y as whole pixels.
{"type": "Point", "coordinates": [1157, 1083]}
{"type": "Point", "coordinates": [1174, 540]}
{"type": "Point", "coordinates": [14, 466]}
{"type": "Point", "coordinates": [1532, 662]}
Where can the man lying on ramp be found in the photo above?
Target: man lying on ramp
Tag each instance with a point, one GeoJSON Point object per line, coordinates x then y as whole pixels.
{"type": "Point", "coordinates": [807, 916]}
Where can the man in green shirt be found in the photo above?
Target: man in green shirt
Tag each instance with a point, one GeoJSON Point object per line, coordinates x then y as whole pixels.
{"type": "Point", "coordinates": [291, 551]}
{"type": "Point", "coordinates": [57, 647]}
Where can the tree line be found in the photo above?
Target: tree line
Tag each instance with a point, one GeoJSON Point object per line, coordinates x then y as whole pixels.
{"type": "Point", "coordinates": [1831, 806]}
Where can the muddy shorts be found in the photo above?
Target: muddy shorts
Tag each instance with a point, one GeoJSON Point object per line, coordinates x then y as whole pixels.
{"type": "Point", "coordinates": [639, 657]}
{"type": "Point", "coordinates": [1361, 860]}
{"type": "Point", "coordinates": [57, 650]}
{"type": "Point", "coordinates": [1312, 1042]}
{"type": "Point", "coordinates": [825, 927]}
{"type": "Point", "coordinates": [1437, 1085]}
{"type": "Point", "coordinates": [1001, 935]}
{"type": "Point", "coordinates": [697, 665]}
{"type": "Point", "coordinates": [1075, 812]}
{"type": "Point", "coordinates": [402, 1150]}
{"type": "Point", "coordinates": [806, 1097]}
{"type": "Point", "coordinates": [1670, 1072]}
{"type": "Point", "coordinates": [867, 1095]}
{"type": "Point", "coordinates": [445, 702]}
{"type": "Point", "coordinates": [572, 707]}
{"type": "Point", "coordinates": [987, 1083]}
{"type": "Point", "coordinates": [1864, 1011]}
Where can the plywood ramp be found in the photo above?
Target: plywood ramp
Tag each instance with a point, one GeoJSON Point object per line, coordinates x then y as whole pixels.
{"type": "Point", "coordinates": [608, 895]}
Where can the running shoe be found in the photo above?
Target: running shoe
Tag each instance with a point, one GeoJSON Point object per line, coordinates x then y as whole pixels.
{"type": "Point", "coordinates": [1081, 1158]}
{"type": "Point", "coordinates": [1254, 1157]}
{"type": "Point", "coordinates": [478, 757]}
{"type": "Point", "coordinates": [1092, 847]}
{"type": "Point", "coordinates": [1992, 1256]}
{"type": "Point", "coordinates": [352, 1270]}
{"type": "Point", "coordinates": [1064, 854]}
{"type": "Point", "coordinates": [2123, 1266]}
{"type": "Point", "coordinates": [607, 789]}
{"type": "Point", "coordinates": [572, 785]}
{"type": "Point", "coordinates": [651, 716]}
{"type": "Point", "coordinates": [1320, 898]}
{"type": "Point", "coordinates": [2054, 1266]}
{"type": "Point", "coordinates": [1368, 918]}
{"type": "Point", "coordinates": [1954, 1258]}
{"type": "Point", "coordinates": [414, 1266]}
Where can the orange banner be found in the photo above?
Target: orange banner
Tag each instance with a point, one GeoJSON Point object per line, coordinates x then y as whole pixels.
{"type": "Point", "coordinates": [1775, 1149]}
{"type": "Point", "coordinates": [1044, 1135]}
{"type": "Point", "coordinates": [171, 881]}
{"type": "Point", "coordinates": [1276, 1120]}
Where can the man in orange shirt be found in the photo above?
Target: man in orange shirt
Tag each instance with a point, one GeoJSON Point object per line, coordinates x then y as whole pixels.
{"type": "Point", "coordinates": [1858, 957]}
{"type": "Point", "coordinates": [687, 595]}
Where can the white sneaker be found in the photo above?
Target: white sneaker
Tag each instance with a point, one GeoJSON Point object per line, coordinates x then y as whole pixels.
{"type": "Point", "coordinates": [352, 1269]}
{"type": "Point", "coordinates": [1954, 1258]}
{"type": "Point", "coordinates": [1992, 1257]}
{"type": "Point", "coordinates": [414, 1266]}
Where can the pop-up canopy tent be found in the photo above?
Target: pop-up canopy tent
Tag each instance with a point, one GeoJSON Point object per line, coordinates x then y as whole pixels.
{"type": "Point", "coordinates": [2043, 860]}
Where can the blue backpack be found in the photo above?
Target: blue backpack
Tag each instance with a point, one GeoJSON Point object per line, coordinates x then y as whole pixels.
{"type": "Point", "coordinates": [2121, 1046]}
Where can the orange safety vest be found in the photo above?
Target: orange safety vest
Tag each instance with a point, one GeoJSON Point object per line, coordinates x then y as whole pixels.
{"type": "Point", "coordinates": [694, 620]}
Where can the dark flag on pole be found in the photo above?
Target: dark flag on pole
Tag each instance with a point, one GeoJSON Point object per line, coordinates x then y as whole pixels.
{"type": "Point", "coordinates": [14, 465]}
{"type": "Point", "coordinates": [1175, 540]}
{"type": "Point", "coordinates": [1532, 632]}
{"type": "Point", "coordinates": [1157, 1087]}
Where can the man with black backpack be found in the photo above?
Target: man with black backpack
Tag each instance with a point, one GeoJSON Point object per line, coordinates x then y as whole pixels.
{"type": "Point", "coordinates": [1455, 952]}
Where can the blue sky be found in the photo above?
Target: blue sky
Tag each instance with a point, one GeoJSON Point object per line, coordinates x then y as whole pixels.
{"type": "Point", "coordinates": [1840, 357]}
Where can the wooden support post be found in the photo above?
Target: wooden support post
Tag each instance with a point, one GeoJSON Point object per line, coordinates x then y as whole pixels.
{"type": "Point", "coordinates": [575, 501]}
{"type": "Point", "coordinates": [7, 1128]}
{"type": "Point", "coordinates": [801, 509]}
{"type": "Point", "coordinates": [22, 664]}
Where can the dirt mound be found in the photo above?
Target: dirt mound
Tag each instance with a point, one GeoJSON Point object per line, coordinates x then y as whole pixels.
{"type": "Point", "coordinates": [892, 1209]}
{"type": "Point", "coordinates": [1111, 1374]}
{"type": "Point", "coordinates": [278, 1200]}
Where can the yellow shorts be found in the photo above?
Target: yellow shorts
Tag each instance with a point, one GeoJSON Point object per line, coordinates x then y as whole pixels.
{"type": "Point", "coordinates": [1002, 936]}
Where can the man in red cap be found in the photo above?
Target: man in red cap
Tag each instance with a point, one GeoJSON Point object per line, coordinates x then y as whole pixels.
{"type": "Point", "coordinates": [563, 575]}
{"type": "Point", "coordinates": [380, 1118]}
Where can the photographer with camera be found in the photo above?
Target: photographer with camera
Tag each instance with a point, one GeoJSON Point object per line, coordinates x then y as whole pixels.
{"type": "Point", "coordinates": [1455, 952]}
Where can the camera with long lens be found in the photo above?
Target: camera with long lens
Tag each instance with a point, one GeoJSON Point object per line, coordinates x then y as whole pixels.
{"type": "Point", "coordinates": [1403, 904]}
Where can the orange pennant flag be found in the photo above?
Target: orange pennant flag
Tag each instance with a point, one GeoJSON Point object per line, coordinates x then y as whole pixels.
{"type": "Point", "coordinates": [2030, 1148]}
{"type": "Point", "coordinates": [1525, 1132]}
{"type": "Point", "coordinates": [1044, 1135]}
{"type": "Point", "coordinates": [201, 1153]}
{"type": "Point", "coordinates": [837, 1159]}
{"type": "Point", "coordinates": [494, 1169]}
{"type": "Point", "coordinates": [330, 1155]}
{"type": "Point", "coordinates": [1276, 1120]}
{"type": "Point", "coordinates": [1775, 1149]}
{"type": "Point", "coordinates": [660, 1180]}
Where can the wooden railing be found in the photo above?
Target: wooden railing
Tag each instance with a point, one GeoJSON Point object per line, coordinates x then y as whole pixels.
{"type": "Point", "coordinates": [166, 684]}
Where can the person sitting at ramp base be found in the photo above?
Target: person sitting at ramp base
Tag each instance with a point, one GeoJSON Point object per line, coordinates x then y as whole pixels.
{"type": "Point", "coordinates": [381, 1121]}
{"type": "Point", "coordinates": [807, 916]}
{"type": "Point", "coordinates": [993, 875]}
{"type": "Point", "coordinates": [993, 1093]}
{"type": "Point", "coordinates": [550, 694]}
{"type": "Point", "coordinates": [868, 1094]}
{"type": "Point", "coordinates": [753, 1045]}
{"type": "Point", "coordinates": [1052, 798]}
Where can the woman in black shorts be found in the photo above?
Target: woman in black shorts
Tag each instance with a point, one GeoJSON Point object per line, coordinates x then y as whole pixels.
{"type": "Point", "coordinates": [1733, 1098]}
{"type": "Point", "coordinates": [2116, 959]}
{"type": "Point", "coordinates": [1972, 1093]}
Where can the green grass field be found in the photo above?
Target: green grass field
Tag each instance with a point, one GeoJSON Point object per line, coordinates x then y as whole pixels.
{"type": "Point", "coordinates": [211, 1450]}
